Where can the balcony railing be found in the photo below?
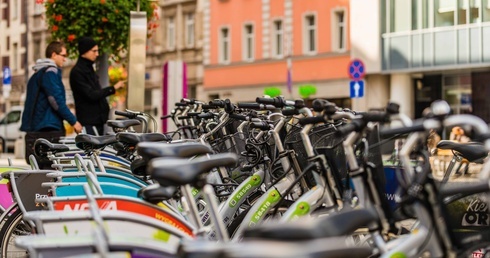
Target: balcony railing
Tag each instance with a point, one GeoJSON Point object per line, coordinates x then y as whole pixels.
{"type": "Point", "coordinates": [462, 46]}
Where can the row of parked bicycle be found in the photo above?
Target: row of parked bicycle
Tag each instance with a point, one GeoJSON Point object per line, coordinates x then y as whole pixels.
{"type": "Point", "coordinates": [273, 178]}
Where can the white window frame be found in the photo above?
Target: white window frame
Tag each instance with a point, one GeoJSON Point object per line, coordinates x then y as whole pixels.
{"type": "Point", "coordinates": [221, 56]}
{"type": "Point", "coordinates": [190, 29]}
{"type": "Point", "coordinates": [171, 39]}
{"type": "Point", "coordinates": [246, 39]}
{"type": "Point", "coordinates": [278, 39]}
{"type": "Point", "coordinates": [306, 34]}
{"type": "Point", "coordinates": [337, 27]}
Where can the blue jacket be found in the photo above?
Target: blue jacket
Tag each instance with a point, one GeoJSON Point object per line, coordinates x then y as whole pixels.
{"type": "Point", "coordinates": [50, 109]}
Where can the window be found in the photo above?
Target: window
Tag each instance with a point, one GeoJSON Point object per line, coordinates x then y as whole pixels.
{"type": "Point", "coordinates": [15, 57]}
{"type": "Point", "coordinates": [339, 31]}
{"type": "Point", "coordinates": [309, 42]}
{"type": "Point", "coordinates": [189, 30]}
{"type": "Point", "coordinates": [15, 8]}
{"type": "Point", "coordinates": [420, 14]}
{"type": "Point", "coordinates": [248, 42]}
{"type": "Point", "coordinates": [224, 56]}
{"type": "Point", "coordinates": [36, 49]}
{"type": "Point", "coordinates": [13, 117]}
{"type": "Point", "coordinates": [400, 15]}
{"type": "Point", "coordinates": [444, 12]}
{"type": "Point", "coordinates": [468, 11]}
{"type": "Point", "coordinates": [486, 10]}
{"type": "Point", "coordinates": [456, 90]}
{"type": "Point", "coordinates": [277, 39]}
{"type": "Point", "coordinates": [170, 33]}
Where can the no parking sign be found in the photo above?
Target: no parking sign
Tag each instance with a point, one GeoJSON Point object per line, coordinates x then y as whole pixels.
{"type": "Point", "coordinates": [357, 71]}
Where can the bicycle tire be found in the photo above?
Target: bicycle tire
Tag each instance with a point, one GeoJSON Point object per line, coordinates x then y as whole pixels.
{"type": "Point", "coordinates": [11, 228]}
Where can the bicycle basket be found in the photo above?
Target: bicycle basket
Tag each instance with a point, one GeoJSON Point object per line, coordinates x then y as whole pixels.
{"type": "Point", "coordinates": [231, 143]}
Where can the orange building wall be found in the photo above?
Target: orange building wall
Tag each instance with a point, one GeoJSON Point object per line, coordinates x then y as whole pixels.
{"type": "Point", "coordinates": [275, 73]}
{"type": "Point", "coordinates": [323, 12]}
{"type": "Point", "coordinates": [276, 9]}
{"type": "Point", "coordinates": [323, 66]}
{"type": "Point", "coordinates": [235, 14]}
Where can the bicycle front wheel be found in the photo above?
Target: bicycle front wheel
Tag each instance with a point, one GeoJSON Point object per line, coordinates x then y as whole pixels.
{"type": "Point", "coordinates": [13, 227]}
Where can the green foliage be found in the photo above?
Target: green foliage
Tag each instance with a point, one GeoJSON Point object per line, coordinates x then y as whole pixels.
{"type": "Point", "coordinates": [272, 91]}
{"type": "Point", "coordinates": [306, 90]}
{"type": "Point", "coordinates": [106, 21]}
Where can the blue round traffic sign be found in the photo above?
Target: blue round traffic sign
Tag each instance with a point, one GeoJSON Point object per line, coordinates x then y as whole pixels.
{"type": "Point", "coordinates": [357, 70]}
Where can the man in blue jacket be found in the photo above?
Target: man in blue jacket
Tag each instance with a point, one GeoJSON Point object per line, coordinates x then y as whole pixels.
{"type": "Point", "coordinates": [45, 106]}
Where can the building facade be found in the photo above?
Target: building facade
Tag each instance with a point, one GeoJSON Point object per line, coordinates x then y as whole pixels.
{"type": "Point", "coordinates": [424, 50]}
{"type": "Point", "coordinates": [177, 38]}
{"type": "Point", "coordinates": [13, 48]}
{"type": "Point", "coordinates": [251, 45]}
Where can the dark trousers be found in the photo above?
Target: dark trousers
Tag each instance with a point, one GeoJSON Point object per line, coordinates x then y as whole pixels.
{"type": "Point", "coordinates": [31, 137]}
{"type": "Point", "coordinates": [90, 129]}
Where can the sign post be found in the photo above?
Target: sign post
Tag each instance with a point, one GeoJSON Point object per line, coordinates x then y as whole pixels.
{"type": "Point", "coordinates": [357, 71]}
{"type": "Point", "coordinates": [7, 82]}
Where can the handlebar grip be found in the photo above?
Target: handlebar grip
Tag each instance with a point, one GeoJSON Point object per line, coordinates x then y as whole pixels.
{"type": "Point", "coordinates": [206, 115]}
{"type": "Point", "coordinates": [183, 117]}
{"type": "Point", "coordinates": [299, 104]}
{"type": "Point", "coordinates": [249, 105]}
{"type": "Point", "coordinates": [319, 104]}
{"type": "Point", "coordinates": [270, 101]}
{"type": "Point", "coordinates": [277, 102]}
{"type": "Point", "coordinates": [193, 113]}
{"type": "Point", "coordinates": [402, 130]}
{"type": "Point", "coordinates": [260, 125]}
{"type": "Point", "coordinates": [229, 107]}
{"type": "Point", "coordinates": [375, 117]}
{"type": "Point", "coordinates": [204, 106]}
{"type": "Point", "coordinates": [189, 101]}
{"type": "Point", "coordinates": [180, 104]}
{"type": "Point", "coordinates": [290, 112]}
{"type": "Point", "coordinates": [125, 114]}
{"type": "Point", "coordinates": [239, 117]}
{"type": "Point", "coordinates": [311, 120]}
{"type": "Point", "coordinates": [354, 125]}
{"type": "Point", "coordinates": [217, 103]}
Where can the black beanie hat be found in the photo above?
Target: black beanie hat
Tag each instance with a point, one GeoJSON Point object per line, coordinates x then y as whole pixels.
{"type": "Point", "coordinates": [85, 44]}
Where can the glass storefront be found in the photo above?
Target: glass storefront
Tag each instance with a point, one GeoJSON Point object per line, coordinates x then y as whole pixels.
{"type": "Point", "coordinates": [456, 90]}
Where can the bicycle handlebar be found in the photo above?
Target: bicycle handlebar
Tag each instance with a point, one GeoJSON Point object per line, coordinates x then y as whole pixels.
{"type": "Point", "coordinates": [126, 114]}
{"type": "Point", "coordinates": [311, 120]}
{"type": "Point", "coordinates": [262, 125]}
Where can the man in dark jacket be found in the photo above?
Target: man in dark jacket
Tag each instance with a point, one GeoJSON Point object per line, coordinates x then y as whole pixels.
{"type": "Point", "coordinates": [91, 105]}
{"type": "Point", "coordinates": [45, 106]}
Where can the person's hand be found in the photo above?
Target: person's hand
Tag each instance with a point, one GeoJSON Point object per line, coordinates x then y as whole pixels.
{"type": "Point", "coordinates": [119, 84]}
{"type": "Point", "coordinates": [78, 127]}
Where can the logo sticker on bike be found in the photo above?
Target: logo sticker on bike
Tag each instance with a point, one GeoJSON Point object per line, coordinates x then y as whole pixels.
{"type": "Point", "coordinates": [125, 205]}
{"type": "Point", "coordinates": [272, 199]}
{"type": "Point", "coordinates": [301, 209]}
{"type": "Point", "coordinates": [252, 182]}
{"type": "Point", "coordinates": [476, 214]}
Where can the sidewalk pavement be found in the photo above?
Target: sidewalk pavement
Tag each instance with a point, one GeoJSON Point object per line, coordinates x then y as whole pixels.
{"type": "Point", "coordinates": [4, 160]}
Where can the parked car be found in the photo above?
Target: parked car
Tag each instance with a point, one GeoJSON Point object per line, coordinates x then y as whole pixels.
{"type": "Point", "coordinates": [10, 128]}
